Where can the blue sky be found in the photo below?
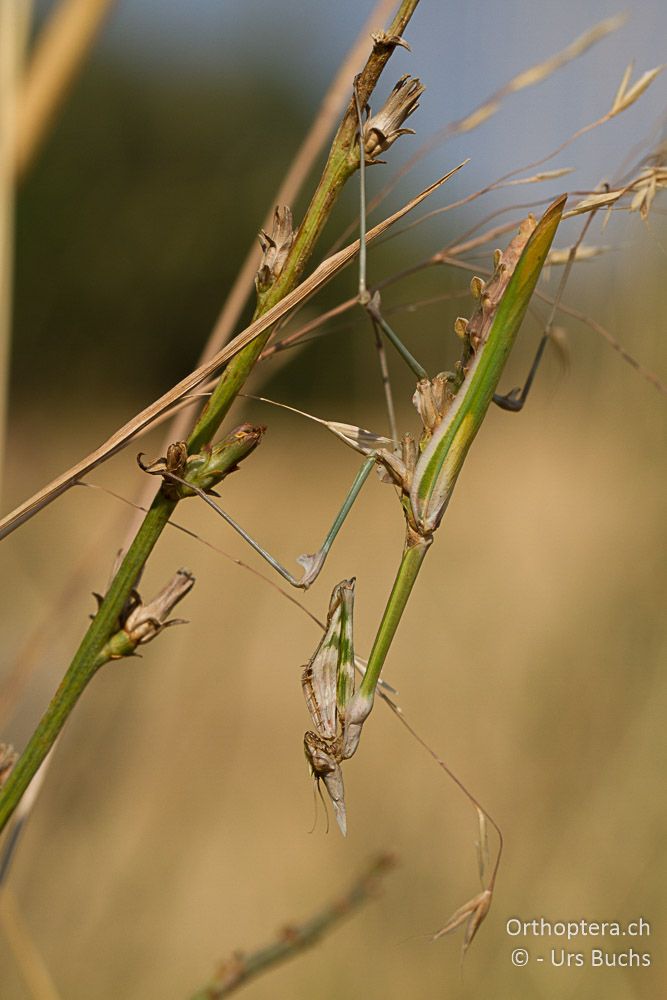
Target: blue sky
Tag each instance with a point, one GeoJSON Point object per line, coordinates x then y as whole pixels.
{"type": "Point", "coordinates": [461, 50]}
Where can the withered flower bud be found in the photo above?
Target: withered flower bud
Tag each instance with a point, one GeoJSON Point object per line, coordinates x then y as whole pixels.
{"type": "Point", "coordinates": [477, 286]}
{"type": "Point", "coordinates": [275, 248]}
{"type": "Point", "coordinates": [146, 621]}
{"type": "Point", "coordinates": [384, 128]}
{"type": "Point", "coordinates": [210, 466]}
{"type": "Point", "coordinates": [432, 399]}
{"type": "Point", "coordinates": [140, 623]}
{"type": "Point", "coordinates": [207, 467]}
{"type": "Point", "coordinates": [177, 458]}
{"type": "Point", "coordinates": [461, 327]}
{"type": "Point", "coordinates": [381, 40]}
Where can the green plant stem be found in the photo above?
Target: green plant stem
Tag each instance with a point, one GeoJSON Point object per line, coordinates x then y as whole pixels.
{"type": "Point", "coordinates": [414, 552]}
{"type": "Point", "coordinates": [84, 666]}
{"type": "Point", "coordinates": [295, 937]}
{"type": "Point", "coordinates": [342, 162]}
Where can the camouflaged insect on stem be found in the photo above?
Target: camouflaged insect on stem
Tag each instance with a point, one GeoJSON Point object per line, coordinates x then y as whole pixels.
{"type": "Point", "coordinates": [338, 713]}
{"type": "Point", "coordinates": [453, 405]}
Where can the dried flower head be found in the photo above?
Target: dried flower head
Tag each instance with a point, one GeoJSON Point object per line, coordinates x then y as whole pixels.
{"type": "Point", "coordinates": [145, 621]}
{"type": "Point", "coordinates": [472, 914]}
{"type": "Point", "coordinates": [646, 186]}
{"type": "Point", "coordinates": [275, 248]}
{"type": "Point", "coordinates": [384, 128]}
{"type": "Point", "coordinates": [431, 400]}
{"type": "Point", "coordinates": [140, 623]}
{"type": "Point", "coordinates": [381, 40]}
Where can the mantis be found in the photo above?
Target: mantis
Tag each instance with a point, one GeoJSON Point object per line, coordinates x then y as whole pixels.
{"type": "Point", "coordinates": [328, 684]}
{"type": "Point", "coordinates": [452, 407]}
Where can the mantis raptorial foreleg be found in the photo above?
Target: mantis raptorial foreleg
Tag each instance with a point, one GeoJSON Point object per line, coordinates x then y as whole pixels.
{"type": "Point", "coordinates": [383, 132]}
{"type": "Point", "coordinates": [311, 562]}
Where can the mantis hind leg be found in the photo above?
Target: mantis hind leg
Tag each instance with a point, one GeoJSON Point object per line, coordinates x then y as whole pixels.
{"type": "Point", "coordinates": [515, 399]}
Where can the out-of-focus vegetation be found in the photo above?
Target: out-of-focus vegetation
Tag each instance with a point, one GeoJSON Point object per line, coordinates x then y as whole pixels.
{"type": "Point", "coordinates": [132, 224]}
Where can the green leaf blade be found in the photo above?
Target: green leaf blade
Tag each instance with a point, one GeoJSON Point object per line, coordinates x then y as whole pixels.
{"type": "Point", "coordinates": [441, 461]}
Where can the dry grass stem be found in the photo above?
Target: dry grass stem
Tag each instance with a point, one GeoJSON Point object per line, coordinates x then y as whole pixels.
{"type": "Point", "coordinates": [61, 48]}
{"type": "Point", "coordinates": [322, 274]}
{"type": "Point", "coordinates": [422, 469]}
{"type": "Point", "coordinates": [492, 104]}
{"type": "Point", "coordinates": [14, 20]}
{"type": "Point", "coordinates": [242, 967]}
{"type": "Point", "coordinates": [451, 255]}
{"type": "Point", "coordinates": [584, 318]}
{"type": "Point", "coordinates": [299, 170]}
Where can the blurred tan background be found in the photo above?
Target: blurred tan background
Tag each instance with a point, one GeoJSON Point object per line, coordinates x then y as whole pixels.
{"type": "Point", "coordinates": [175, 824]}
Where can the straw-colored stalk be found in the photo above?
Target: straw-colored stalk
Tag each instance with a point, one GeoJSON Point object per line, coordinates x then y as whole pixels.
{"type": "Point", "coordinates": [59, 52]}
{"type": "Point", "coordinates": [14, 19]}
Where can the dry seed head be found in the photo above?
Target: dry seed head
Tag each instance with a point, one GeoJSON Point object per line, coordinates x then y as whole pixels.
{"type": "Point", "coordinates": [431, 400]}
{"type": "Point", "coordinates": [177, 457]}
{"type": "Point", "coordinates": [275, 248]}
{"type": "Point", "coordinates": [644, 188]}
{"type": "Point", "coordinates": [146, 621]}
{"type": "Point", "coordinates": [477, 286]}
{"type": "Point", "coordinates": [624, 97]}
{"type": "Point", "coordinates": [482, 845]}
{"type": "Point", "coordinates": [474, 912]}
{"type": "Point", "coordinates": [566, 254]}
{"type": "Point", "coordinates": [423, 401]}
{"type": "Point", "coordinates": [461, 327]}
{"type": "Point", "coordinates": [478, 117]}
{"type": "Point", "coordinates": [383, 129]}
{"type": "Point", "coordinates": [643, 198]}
